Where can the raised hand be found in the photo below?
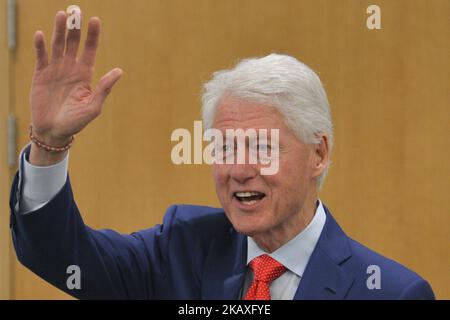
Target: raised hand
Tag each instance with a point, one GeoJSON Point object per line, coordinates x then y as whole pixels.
{"type": "Point", "coordinates": [61, 98]}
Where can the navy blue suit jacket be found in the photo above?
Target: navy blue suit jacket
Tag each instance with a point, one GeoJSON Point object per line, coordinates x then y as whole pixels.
{"type": "Point", "coordinates": [194, 254]}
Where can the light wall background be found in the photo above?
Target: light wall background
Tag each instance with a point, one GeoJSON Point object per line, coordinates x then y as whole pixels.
{"type": "Point", "coordinates": [388, 89]}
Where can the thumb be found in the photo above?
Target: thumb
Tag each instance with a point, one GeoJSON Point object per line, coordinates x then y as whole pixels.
{"type": "Point", "coordinates": [104, 87]}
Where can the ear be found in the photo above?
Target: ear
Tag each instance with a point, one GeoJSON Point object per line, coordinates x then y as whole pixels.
{"type": "Point", "coordinates": [321, 155]}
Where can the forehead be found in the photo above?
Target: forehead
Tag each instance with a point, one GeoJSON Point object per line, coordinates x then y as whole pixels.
{"type": "Point", "coordinates": [238, 113]}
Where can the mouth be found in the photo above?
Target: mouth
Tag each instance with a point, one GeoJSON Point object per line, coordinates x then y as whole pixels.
{"type": "Point", "coordinates": [249, 198]}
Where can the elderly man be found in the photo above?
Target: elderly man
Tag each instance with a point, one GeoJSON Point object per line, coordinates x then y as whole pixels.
{"type": "Point", "coordinates": [272, 239]}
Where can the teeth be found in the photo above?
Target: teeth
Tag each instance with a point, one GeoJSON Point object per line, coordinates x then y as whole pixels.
{"type": "Point", "coordinates": [249, 202]}
{"type": "Point", "coordinates": [246, 194]}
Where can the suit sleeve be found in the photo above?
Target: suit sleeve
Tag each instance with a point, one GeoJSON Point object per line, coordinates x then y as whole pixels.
{"type": "Point", "coordinates": [112, 266]}
{"type": "Point", "coordinates": [419, 289]}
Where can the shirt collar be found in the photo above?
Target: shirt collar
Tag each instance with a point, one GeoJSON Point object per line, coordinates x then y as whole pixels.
{"type": "Point", "coordinates": [294, 254]}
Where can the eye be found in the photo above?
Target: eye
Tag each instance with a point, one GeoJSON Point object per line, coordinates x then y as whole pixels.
{"type": "Point", "coordinates": [263, 147]}
{"type": "Point", "coordinates": [226, 148]}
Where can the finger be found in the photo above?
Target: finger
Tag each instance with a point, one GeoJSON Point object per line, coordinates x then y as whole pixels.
{"type": "Point", "coordinates": [41, 52]}
{"type": "Point", "coordinates": [90, 46]}
{"type": "Point", "coordinates": [104, 87]}
{"type": "Point", "coordinates": [73, 41]}
{"type": "Point", "coordinates": [59, 33]}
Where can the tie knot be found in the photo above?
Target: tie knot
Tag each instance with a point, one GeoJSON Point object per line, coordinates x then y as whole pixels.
{"type": "Point", "coordinates": [266, 268]}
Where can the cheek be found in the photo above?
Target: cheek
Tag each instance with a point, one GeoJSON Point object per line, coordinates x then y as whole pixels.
{"type": "Point", "coordinates": [293, 174]}
{"type": "Point", "coordinates": [288, 191]}
{"type": "Point", "coordinates": [220, 175]}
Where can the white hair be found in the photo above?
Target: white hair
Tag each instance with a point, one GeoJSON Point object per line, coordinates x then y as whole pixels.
{"type": "Point", "coordinates": [280, 81]}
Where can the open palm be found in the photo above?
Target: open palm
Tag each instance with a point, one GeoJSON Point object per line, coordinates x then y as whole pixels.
{"type": "Point", "coordinates": [61, 98]}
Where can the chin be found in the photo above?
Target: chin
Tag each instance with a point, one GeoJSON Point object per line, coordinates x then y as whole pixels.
{"type": "Point", "coordinates": [248, 226]}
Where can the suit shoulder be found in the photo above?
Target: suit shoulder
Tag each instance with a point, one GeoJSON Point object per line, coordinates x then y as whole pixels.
{"type": "Point", "coordinates": [395, 278]}
{"type": "Point", "coordinates": [366, 255]}
{"type": "Point", "coordinates": [208, 220]}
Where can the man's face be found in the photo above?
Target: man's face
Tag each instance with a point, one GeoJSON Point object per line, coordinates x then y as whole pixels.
{"type": "Point", "coordinates": [278, 199]}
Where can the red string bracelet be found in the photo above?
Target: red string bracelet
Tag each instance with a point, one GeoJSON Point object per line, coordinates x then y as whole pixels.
{"type": "Point", "coordinates": [47, 148]}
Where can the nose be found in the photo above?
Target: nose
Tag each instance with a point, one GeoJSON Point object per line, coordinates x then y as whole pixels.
{"type": "Point", "coordinates": [242, 173]}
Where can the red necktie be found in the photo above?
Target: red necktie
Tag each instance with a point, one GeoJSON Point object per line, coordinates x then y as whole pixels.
{"type": "Point", "coordinates": [265, 270]}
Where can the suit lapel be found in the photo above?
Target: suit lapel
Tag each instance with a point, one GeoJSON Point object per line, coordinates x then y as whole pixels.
{"type": "Point", "coordinates": [324, 278]}
{"type": "Point", "coordinates": [225, 267]}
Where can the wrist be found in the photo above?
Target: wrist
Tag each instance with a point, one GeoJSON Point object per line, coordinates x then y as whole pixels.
{"type": "Point", "coordinates": [48, 138]}
{"type": "Point", "coordinates": [50, 143]}
{"type": "Point", "coordinates": [47, 150]}
{"type": "Point", "coordinates": [42, 158]}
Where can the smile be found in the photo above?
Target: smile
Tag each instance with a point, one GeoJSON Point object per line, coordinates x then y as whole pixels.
{"type": "Point", "coordinates": [248, 198]}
